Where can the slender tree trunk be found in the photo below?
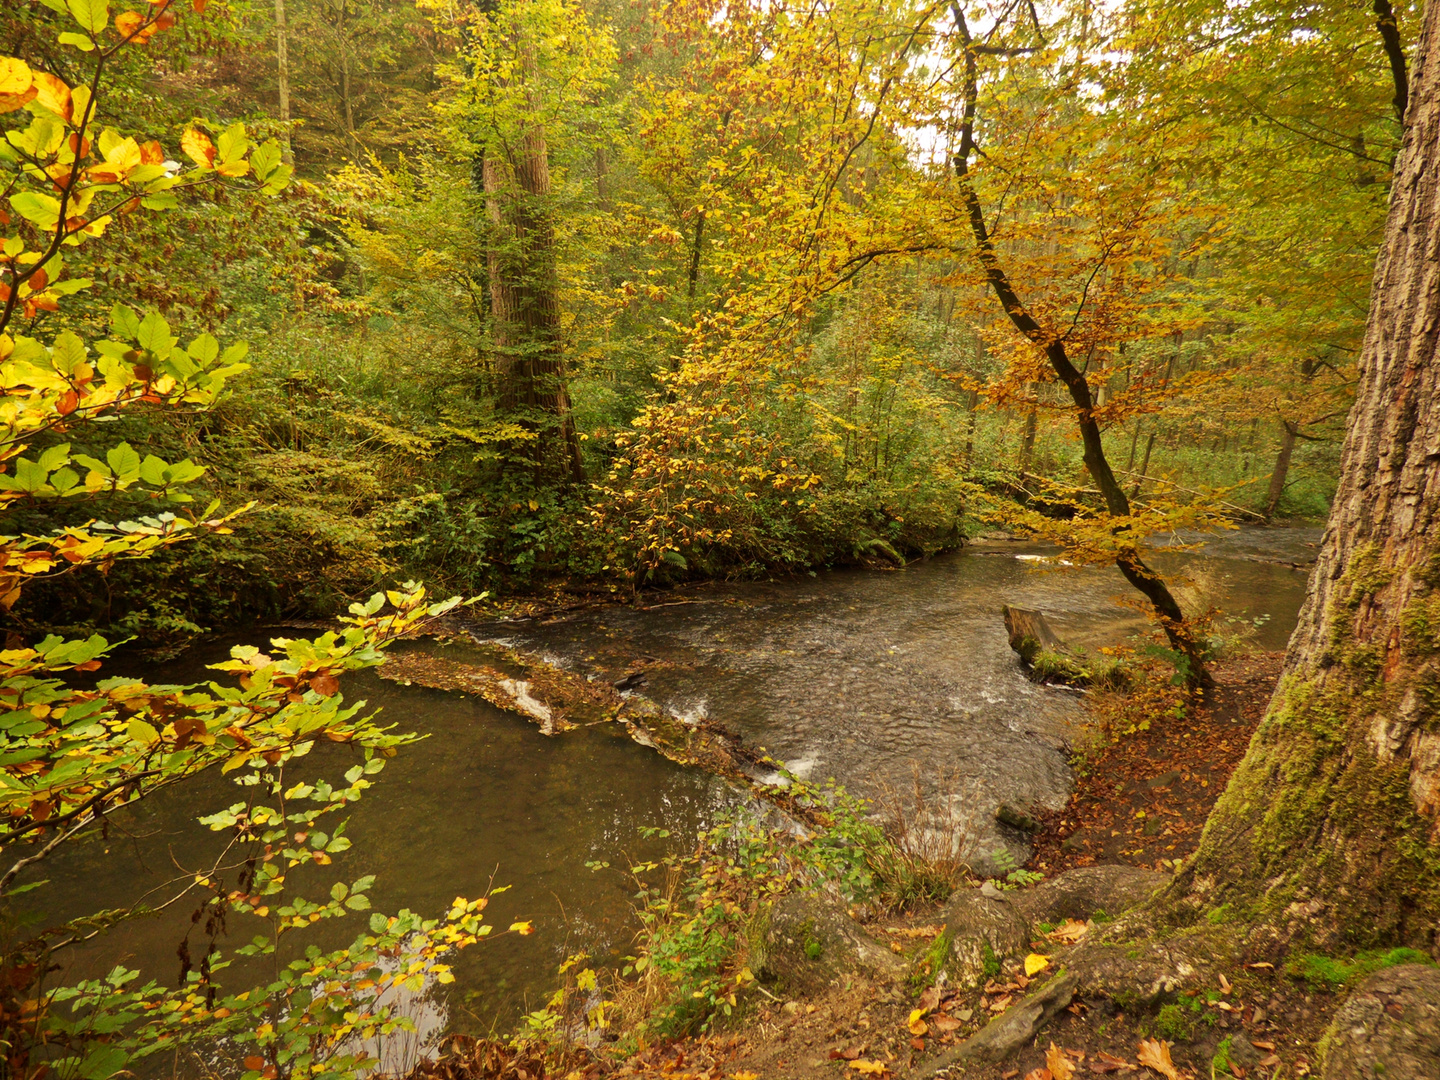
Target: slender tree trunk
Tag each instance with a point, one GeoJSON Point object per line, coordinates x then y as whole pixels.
{"type": "Point", "coordinates": [1289, 432]}
{"type": "Point", "coordinates": [282, 75]}
{"type": "Point", "coordinates": [1027, 439]}
{"type": "Point", "coordinates": [530, 368]}
{"type": "Point", "coordinates": [347, 104]}
{"type": "Point", "coordinates": [1127, 558]}
{"type": "Point", "coordinates": [1329, 831]}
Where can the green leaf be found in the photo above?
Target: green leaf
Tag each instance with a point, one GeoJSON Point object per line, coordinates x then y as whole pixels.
{"type": "Point", "coordinates": [358, 902]}
{"type": "Point", "coordinates": [124, 462]}
{"type": "Point", "coordinates": [40, 209]}
{"type": "Point", "coordinates": [142, 732]}
{"type": "Point", "coordinates": [265, 159]}
{"type": "Point", "coordinates": [124, 322]}
{"type": "Point", "coordinates": [162, 200]}
{"type": "Point", "coordinates": [80, 41]}
{"type": "Point", "coordinates": [152, 471]}
{"type": "Point", "coordinates": [204, 348]}
{"type": "Point", "coordinates": [378, 923]}
{"type": "Point", "coordinates": [154, 333]}
{"type": "Point", "coordinates": [63, 480]}
{"type": "Point", "coordinates": [92, 15]}
{"type": "Point", "coordinates": [338, 891]}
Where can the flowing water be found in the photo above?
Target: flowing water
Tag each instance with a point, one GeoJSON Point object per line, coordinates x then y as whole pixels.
{"type": "Point", "coordinates": [894, 682]}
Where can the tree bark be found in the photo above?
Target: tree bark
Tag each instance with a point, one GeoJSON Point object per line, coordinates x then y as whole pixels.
{"type": "Point", "coordinates": [525, 307]}
{"type": "Point", "coordinates": [1330, 828]}
{"type": "Point", "coordinates": [1289, 433]}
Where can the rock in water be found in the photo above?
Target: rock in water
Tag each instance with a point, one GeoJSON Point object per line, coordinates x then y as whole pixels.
{"type": "Point", "coordinates": [1388, 1030]}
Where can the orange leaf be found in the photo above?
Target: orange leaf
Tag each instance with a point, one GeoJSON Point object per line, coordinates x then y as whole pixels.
{"type": "Point", "coordinates": [1038, 1074]}
{"type": "Point", "coordinates": [325, 684]}
{"type": "Point", "coordinates": [1058, 1064]}
{"type": "Point", "coordinates": [198, 147]}
{"type": "Point", "coordinates": [253, 1062]}
{"type": "Point", "coordinates": [199, 6]}
{"type": "Point", "coordinates": [53, 94]}
{"type": "Point", "coordinates": [152, 153]}
{"type": "Point", "coordinates": [68, 403]}
{"type": "Point", "coordinates": [129, 22]}
{"type": "Point", "coordinates": [38, 280]}
{"type": "Point", "coordinates": [1155, 1054]}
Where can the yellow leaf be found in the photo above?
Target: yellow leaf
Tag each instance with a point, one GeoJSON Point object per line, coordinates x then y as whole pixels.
{"type": "Point", "coordinates": [1035, 963]}
{"type": "Point", "coordinates": [52, 93]}
{"type": "Point", "coordinates": [15, 75]}
{"type": "Point", "coordinates": [1155, 1054]}
{"type": "Point", "coordinates": [198, 147]}
{"type": "Point", "coordinates": [236, 761]}
{"type": "Point", "coordinates": [1058, 1064]}
{"type": "Point", "coordinates": [142, 732]}
{"type": "Point", "coordinates": [870, 1068]}
{"type": "Point", "coordinates": [916, 1023]}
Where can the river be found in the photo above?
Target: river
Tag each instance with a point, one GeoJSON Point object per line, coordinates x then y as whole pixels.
{"type": "Point", "coordinates": [898, 683]}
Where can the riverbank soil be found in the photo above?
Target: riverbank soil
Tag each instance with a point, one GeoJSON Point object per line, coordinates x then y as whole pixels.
{"type": "Point", "coordinates": [1143, 797]}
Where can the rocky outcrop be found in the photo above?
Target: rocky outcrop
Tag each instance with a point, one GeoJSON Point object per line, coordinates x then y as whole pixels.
{"type": "Point", "coordinates": [1389, 1029]}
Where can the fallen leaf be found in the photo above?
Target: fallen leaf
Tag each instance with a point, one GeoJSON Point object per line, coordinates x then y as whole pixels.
{"type": "Point", "coordinates": [917, 1044]}
{"type": "Point", "coordinates": [1069, 932]}
{"type": "Point", "coordinates": [1038, 1074]}
{"type": "Point", "coordinates": [1036, 962]}
{"type": "Point", "coordinates": [1108, 1063]}
{"type": "Point", "coordinates": [1000, 1004]}
{"type": "Point", "coordinates": [1262, 1045]}
{"type": "Point", "coordinates": [945, 1023]}
{"type": "Point", "coordinates": [1155, 1054]}
{"type": "Point", "coordinates": [1010, 1075]}
{"type": "Point", "coordinates": [869, 1068]}
{"type": "Point", "coordinates": [929, 999]}
{"type": "Point", "coordinates": [916, 1024]}
{"type": "Point", "coordinates": [1059, 1066]}
{"type": "Point", "coordinates": [1260, 964]}
{"type": "Point", "coordinates": [1269, 1060]}
{"type": "Point", "coordinates": [1224, 984]}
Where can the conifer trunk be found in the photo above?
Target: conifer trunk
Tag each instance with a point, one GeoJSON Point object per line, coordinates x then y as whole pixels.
{"type": "Point", "coordinates": [1330, 829]}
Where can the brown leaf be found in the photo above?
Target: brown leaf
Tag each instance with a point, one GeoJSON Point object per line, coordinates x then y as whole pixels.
{"type": "Point", "coordinates": [917, 1044]}
{"type": "Point", "coordinates": [944, 1023]}
{"type": "Point", "coordinates": [1069, 932]}
{"type": "Point", "coordinates": [929, 999]}
{"type": "Point", "coordinates": [1058, 1064]}
{"type": "Point", "coordinates": [325, 684]}
{"type": "Point", "coordinates": [1155, 1054]}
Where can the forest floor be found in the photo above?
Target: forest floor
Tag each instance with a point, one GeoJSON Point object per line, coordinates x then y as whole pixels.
{"type": "Point", "coordinates": [1141, 799]}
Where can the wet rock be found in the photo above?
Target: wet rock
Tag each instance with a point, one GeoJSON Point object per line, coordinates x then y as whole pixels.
{"type": "Point", "coordinates": [1080, 893]}
{"type": "Point", "coordinates": [809, 941]}
{"type": "Point", "coordinates": [1389, 1028]}
{"type": "Point", "coordinates": [986, 928]}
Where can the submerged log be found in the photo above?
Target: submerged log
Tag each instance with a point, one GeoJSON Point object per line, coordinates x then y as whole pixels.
{"type": "Point", "coordinates": [1030, 634]}
{"type": "Point", "coordinates": [1050, 660]}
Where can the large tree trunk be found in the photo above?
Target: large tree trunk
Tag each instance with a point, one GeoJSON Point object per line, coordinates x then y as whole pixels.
{"type": "Point", "coordinates": [526, 309]}
{"type": "Point", "coordinates": [1330, 829]}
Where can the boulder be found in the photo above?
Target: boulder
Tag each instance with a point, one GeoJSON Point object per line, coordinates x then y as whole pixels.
{"type": "Point", "coordinates": [809, 941]}
{"type": "Point", "coordinates": [1389, 1029]}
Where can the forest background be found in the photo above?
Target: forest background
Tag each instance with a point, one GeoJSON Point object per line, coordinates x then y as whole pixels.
{"type": "Point", "coordinates": [633, 292]}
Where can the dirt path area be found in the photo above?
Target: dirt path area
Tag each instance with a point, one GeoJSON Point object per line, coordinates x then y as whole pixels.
{"type": "Point", "coordinates": [1144, 799]}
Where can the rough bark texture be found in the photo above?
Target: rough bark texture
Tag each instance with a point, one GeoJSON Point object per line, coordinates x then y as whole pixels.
{"type": "Point", "coordinates": [1328, 831]}
{"type": "Point", "coordinates": [282, 73]}
{"type": "Point", "coordinates": [1388, 1030]}
{"type": "Point", "coordinates": [530, 365]}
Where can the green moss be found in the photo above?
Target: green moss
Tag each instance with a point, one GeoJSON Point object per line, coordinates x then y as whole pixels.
{"type": "Point", "coordinates": [990, 961]}
{"type": "Point", "coordinates": [1172, 1023]}
{"type": "Point", "coordinates": [1220, 1063]}
{"type": "Point", "coordinates": [1333, 973]}
{"type": "Point", "coordinates": [1219, 915]}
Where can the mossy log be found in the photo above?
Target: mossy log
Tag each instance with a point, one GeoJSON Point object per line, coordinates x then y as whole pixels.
{"type": "Point", "coordinates": [1040, 648]}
